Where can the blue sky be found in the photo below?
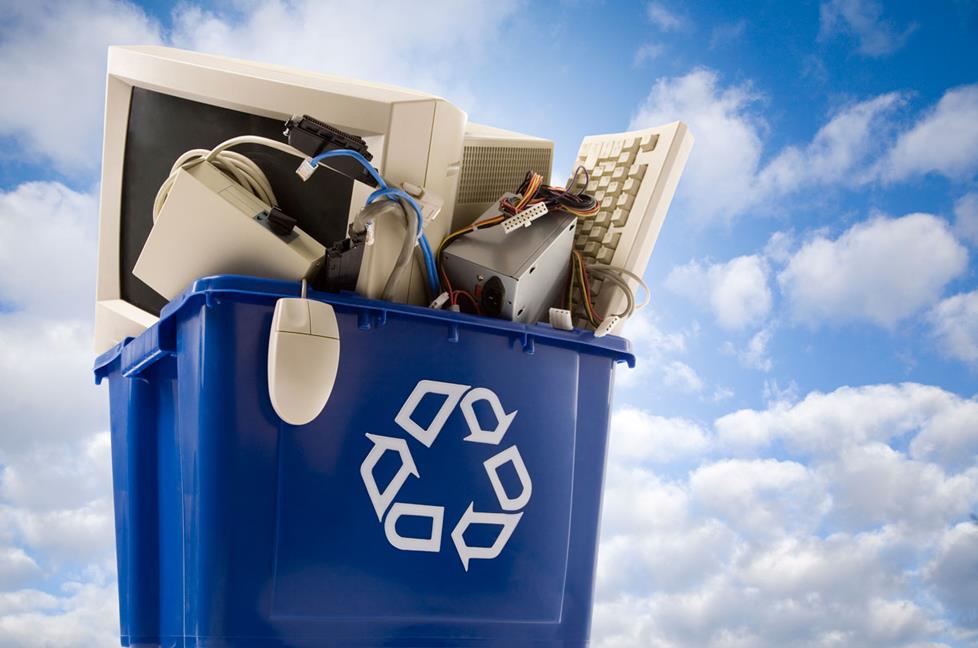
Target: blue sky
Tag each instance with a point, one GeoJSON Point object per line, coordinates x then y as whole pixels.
{"type": "Point", "coordinates": [794, 461]}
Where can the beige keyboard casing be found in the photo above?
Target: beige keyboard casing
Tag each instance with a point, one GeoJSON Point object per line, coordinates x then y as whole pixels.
{"type": "Point", "coordinates": [633, 176]}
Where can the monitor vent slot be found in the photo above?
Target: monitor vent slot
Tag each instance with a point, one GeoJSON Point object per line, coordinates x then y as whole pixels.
{"type": "Point", "coordinates": [490, 171]}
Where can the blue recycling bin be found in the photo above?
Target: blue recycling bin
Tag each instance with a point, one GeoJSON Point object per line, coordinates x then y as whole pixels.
{"type": "Point", "coordinates": [448, 495]}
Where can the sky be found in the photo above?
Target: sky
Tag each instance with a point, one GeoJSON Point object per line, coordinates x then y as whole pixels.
{"type": "Point", "coordinates": [794, 461]}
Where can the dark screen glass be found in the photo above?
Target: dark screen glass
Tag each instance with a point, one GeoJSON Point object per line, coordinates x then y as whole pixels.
{"type": "Point", "coordinates": [162, 127]}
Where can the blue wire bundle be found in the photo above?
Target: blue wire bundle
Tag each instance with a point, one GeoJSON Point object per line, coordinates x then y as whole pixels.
{"type": "Point", "coordinates": [391, 193]}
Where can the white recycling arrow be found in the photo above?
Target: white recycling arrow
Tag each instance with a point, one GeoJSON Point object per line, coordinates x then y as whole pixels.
{"type": "Point", "coordinates": [492, 464]}
{"type": "Point", "coordinates": [431, 543]}
{"type": "Point", "coordinates": [381, 445]}
{"type": "Point", "coordinates": [507, 522]}
{"type": "Point", "coordinates": [427, 436]}
{"type": "Point", "coordinates": [476, 433]}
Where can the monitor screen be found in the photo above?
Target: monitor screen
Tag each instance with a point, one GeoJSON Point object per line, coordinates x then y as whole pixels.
{"type": "Point", "coordinates": [162, 127]}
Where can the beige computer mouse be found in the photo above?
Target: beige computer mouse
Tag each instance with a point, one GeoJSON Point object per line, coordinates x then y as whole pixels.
{"type": "Point", "coordinates": [303, 358]}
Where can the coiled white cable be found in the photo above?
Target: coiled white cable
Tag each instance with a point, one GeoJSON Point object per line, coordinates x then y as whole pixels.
{"type": "Point", "coordinates": [244, 171]}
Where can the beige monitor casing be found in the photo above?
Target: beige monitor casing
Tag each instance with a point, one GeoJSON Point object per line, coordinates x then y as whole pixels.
{"type": "Point", "coordinates": [415, 138]}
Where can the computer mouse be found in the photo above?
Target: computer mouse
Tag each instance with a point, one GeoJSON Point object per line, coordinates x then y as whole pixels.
{"type": "Point", "coordinates": [303, 358]}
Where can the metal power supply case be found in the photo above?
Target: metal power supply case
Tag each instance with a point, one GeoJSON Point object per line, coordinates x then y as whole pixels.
{"type": "Point", "coordinates": [516, 276]}
{"type": "Point", "coordinates": [448, 494]}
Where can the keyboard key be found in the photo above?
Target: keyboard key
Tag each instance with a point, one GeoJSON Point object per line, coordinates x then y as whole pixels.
{"type": "Point", "coordinates": [620, 217]}
{"type": "Point", "coordinates": [605, 255]}
{"type": "Point", "coordinates": [625, 201]}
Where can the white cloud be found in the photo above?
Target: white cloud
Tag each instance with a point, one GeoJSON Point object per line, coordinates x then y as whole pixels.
{"type": "Point", "coordinates": [966, 217]}
{"type": "Point", "coordinates": [652, 347]}
{"type": "Point", "coordinates": [952, 572]}
{"type": "Point", "coordinates": [81, 616]}
{"type": "Point", "coordinates": [647, 52]}
{"type": "Point", "coordinates": [754, 355]}
{"type": "Point", "coordinates": [736, 291]}
{"type": "Point", "coordinates": [850, 140]}
{"type": "Point", "coordinates": [759, 497]}
{"type": "Point", "coordinates": [637, 436]}
{"type": "Point", "coordinates": [52, 57]}
{"type": "Point", "coordinates": [954, 322]}
{"type": "Point", "coordinates": [719, 176]}
{"type": "Point", "coordinates": [53, 54]}
{"type": "Point", "coordinates": [664, 18]}
{"type": "Point", "coordinates": [274, 31]}
{"type": "Point", "coordinates": [950, 437]}
{"type": "Point", "coordinates": [864, 20]}
{"type": "Point", "coordinates": [852, 541]}
{"type": "Point", "coordinates": [727, 33]}
{"type": "Point", "coordinates": [681, 376]}
{"type": "Point", "coordinates": [944, 140]}
{"type": "Point", "coordinates": [858, 144]}
{"type": "Point", "coordinates": [822, 423]}
{"type": "Point", "coordinates": [880, 271]}
{"type": "Point", "coordinates": [16, 567]}
{"type": "Point", "coordinates": [47, 260]}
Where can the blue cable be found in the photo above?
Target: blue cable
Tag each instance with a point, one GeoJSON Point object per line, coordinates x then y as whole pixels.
{"type": "Point", "coordinates": [392, 193]}
{"type": "Point", "coordinates": [356, 156]}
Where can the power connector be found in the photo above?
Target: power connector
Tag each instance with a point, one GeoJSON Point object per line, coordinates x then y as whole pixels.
{"type": "Point", "coordinates": [560, 318]}
{"type": "Point", "coordinates": [525, 218]}
{"type": "Point", "coordinates": [607, 325]}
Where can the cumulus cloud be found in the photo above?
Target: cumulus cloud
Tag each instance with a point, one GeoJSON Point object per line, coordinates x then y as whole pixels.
{"type": "Point", "coordinates": [655, 349]}
{"type": "Point", "coordinates": [647, 52]}
{"type": "Point", "coordinates": [966, 217]}
{"type": "Point", "coordinates": [55, 278]}
{"type": "Point", "coordinates": [45, 56]}
{"type": "Point", "coordinates": [880, 271]}
{"type": "Point", "coordinates": [952, 572]}
{"type": "Point", "coordinates": [729, 173]}
{"type": "Point", "coordinates": [864, 21]}
{"type": "Point", "coordinates": [80, 615]}
{"type": "Point", "coordinates": [824, 423]}
{"type": "Point", "coordinates": [680, 375]}
{"type": "Point", "coordinates": [944, 140]}
{"type": "Point", "coordinates": [440, 62]}
{"type": "Point", "coordinates": [719, 176]}
{"type": "Point", "coordinates": [851, 139]}
{"type": "Point", "coordinates": [53, 54]}
{"type": "Point", "coordinates": [828, 547]}
{"type": "Point", "coordinates": [637, 436]}
{"type": "Point", "coordinates": [954, 324]}
{"type": "Point", "coordinates": [663, 17]}
{"type": "Point", "coordinates": [736, 291]}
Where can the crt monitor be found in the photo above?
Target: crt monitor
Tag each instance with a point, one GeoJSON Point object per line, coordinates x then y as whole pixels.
{"type": "Point", "coordinates": [161, 102]}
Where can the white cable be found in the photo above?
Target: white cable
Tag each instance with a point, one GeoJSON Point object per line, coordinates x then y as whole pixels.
{"type": "Point", "coordinates": [240, 167]}
{"type": "Point", "coordinates": [630, 275]}
{"type": "Point", "coordinates": [609, 275]}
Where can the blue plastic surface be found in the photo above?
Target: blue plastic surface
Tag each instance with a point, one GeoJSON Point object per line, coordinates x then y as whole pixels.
{"type": "Point", "coordinates": [235, 530]}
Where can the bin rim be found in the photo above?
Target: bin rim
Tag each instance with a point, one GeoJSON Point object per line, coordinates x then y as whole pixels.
{"type": "Point", "coordinates": [618, 348]}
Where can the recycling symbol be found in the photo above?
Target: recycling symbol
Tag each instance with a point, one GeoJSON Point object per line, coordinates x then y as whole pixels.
{"type": "Point", "coordinates": [389, 510]}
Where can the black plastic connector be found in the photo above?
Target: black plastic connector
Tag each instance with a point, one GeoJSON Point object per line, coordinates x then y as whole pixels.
{"type": "Point", "coordinates": [313, 137]}
{"type": "Point", "coordinates": [341, 267]}
{"type": "Point", "coordinates": [280, 223]}
{"type": "Point", "coordinates": [492, 297]}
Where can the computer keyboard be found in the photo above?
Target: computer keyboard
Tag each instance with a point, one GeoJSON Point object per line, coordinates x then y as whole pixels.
{"type": "Point", "coordinates": [633, 176]}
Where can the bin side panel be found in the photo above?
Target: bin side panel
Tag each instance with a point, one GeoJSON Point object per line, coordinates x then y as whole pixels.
{"type": "Point", "coordinates": [329, 531]}
{"type": "Point", "coordinates": [133, 432]}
